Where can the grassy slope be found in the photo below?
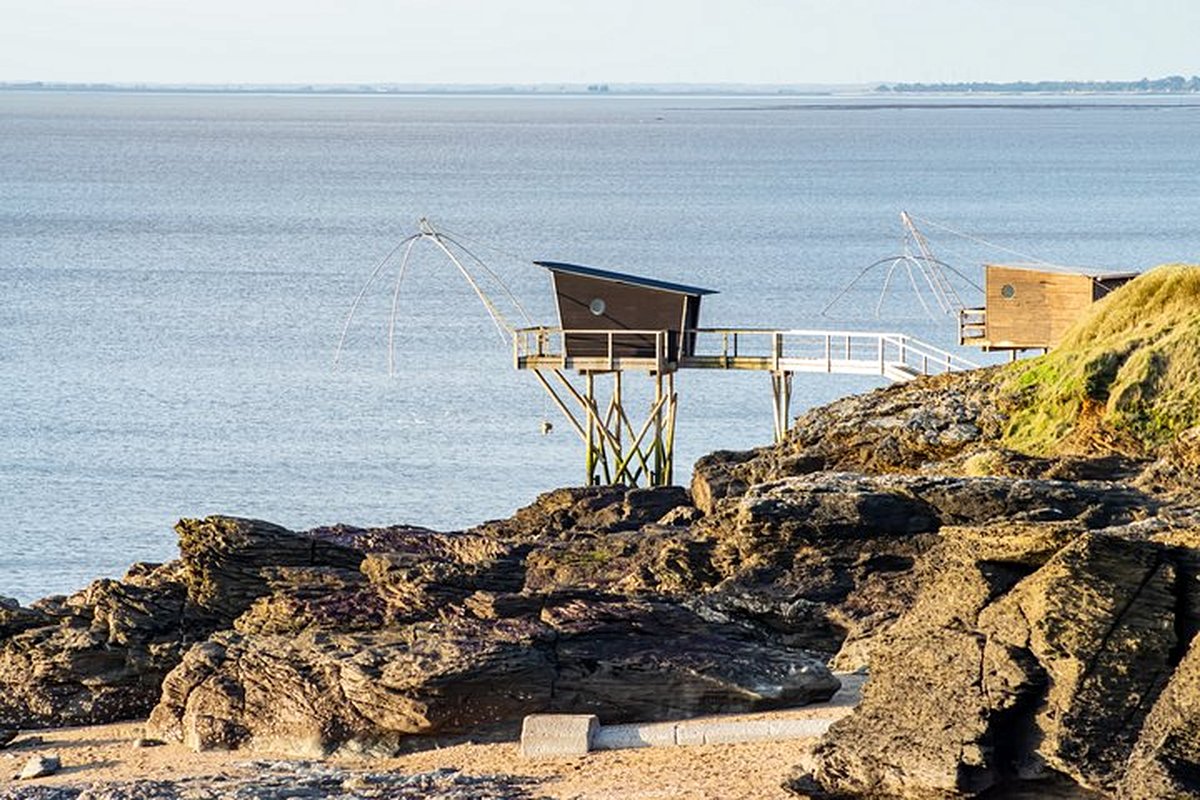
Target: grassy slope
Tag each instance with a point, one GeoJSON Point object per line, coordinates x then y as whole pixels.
{"type": "Point", "coordinates": [1126, 376]}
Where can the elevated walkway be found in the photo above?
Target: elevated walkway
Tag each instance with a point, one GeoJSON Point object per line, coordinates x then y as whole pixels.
{"type": "Point", "coordinates": [617, 451]}
{"type": "Point", "coordinates": [894, 356]}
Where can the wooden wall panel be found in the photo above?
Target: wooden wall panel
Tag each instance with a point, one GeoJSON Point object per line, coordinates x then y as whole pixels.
{"type": "Point", "coordinates": [625, 308]}
{"type": "Point", "coordinates": [1029, 308]}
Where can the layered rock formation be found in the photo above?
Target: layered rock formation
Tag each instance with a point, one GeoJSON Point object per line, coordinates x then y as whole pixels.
{"type": "Point", "coordinates": [1025, 615]}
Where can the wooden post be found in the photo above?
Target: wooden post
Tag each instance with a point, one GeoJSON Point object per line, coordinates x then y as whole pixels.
{"type": "Point", "coordinates": [657, 475]}
{"type": "Point", "coordinates": [590, 458]}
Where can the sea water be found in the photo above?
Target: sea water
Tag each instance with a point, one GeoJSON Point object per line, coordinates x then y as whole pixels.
{"type": "Point", "coordinates": [175, 271]}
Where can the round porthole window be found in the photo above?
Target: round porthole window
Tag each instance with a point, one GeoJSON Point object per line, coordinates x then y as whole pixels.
{"type": "Point", "coordinates": [1008, 291]}
{"type": "Point", "coordinates": [597, 306]}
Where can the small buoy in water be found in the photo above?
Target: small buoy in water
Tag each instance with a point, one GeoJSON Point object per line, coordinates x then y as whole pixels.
{"type": "Point", "coordinates": [547, 426]}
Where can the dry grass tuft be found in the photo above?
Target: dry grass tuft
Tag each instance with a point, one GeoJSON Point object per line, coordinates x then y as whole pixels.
{"type": "Point", "coordinates": [1126, 377]}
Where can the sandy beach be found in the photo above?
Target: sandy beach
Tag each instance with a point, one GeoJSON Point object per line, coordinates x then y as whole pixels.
{"type": "Point", "coordinates": [103, 754]}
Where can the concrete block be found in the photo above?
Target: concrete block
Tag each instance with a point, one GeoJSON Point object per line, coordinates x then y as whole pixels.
{"type": "Point", "coordinates": [558, 735]}
{"type": "Point", "coordinates": [619, 737]}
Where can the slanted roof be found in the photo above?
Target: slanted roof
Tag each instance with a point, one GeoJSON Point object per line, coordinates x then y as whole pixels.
{"type": "Point", "coordinates": [1094, 273]}
{"type": "Point", "coordinates": [621, 277]}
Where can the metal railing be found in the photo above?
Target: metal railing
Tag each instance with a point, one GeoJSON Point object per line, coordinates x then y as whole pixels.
{"type": "Point", "coordinates": [608, 347]}
{"type": "Point", "coordinates": [893, 355]}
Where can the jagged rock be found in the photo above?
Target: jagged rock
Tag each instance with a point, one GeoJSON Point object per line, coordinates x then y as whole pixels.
{"type": "Point", "coordinates": [305, 597]}
{"type": "Point", "coordinates": [417, 582]}
{"type": "Point", "coordinates": [98, 655]}
{"type": "Point", "coordinates": [627, 660]}
{"type": "Point", "coordinates": [14, 619]}
{"type": "Point", "coordinates": [829, 505]}
{"type": "Point", "coordinates": [39, 767]}
{"type": "Point", "coordinates": [653, 559]}
{"type": "Point", "coordinates": [226, 560]}
{"type": "Point", "coordinates": [901, 428]}
{"type": "Point", "coordinates": [1166, 760]}
{"type": "Point", "coordinates": [321, 691]}
{"type": "Point", "coordinates": [1008, 669]}
{"type": "Point", "coordinates": [717, 475]}
{"type": "Point", "coordinates": [600, 509]}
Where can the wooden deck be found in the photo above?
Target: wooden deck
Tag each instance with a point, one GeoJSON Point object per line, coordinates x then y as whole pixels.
{"type": "Point", "coordinates": [894, 356]}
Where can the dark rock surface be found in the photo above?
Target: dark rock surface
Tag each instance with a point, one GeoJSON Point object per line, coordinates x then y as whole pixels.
{"type": "Point", "coordinates": [323, 691]}
{"type": "Point", "coordinates": [1029, 653]}
{"type": "Point", "coordinates": [294, 780]}
{"type": "Point", "coordinates": [598, 509]}
{"type": "Point", "coordinates": [1166, 760]}
{"type": "Point", "coordinates": [96, 656]}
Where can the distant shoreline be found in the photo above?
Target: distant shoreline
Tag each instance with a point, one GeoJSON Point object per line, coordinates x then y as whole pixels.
{"type": "Point", "coordinates": [1173, 86]}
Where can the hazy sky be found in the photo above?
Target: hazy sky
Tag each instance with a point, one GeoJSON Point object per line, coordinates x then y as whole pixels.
{"type": "Point", "coordinates": [549, 41]}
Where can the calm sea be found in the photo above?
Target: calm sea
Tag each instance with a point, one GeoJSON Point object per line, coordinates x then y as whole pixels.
{"type": "Point", "coordinates": [175, 271]}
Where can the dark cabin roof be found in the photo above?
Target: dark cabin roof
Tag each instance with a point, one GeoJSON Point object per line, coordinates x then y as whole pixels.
{"type": "Point", "coordinates": [620, 277]}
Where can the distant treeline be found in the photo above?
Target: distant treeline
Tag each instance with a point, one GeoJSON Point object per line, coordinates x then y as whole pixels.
{"type": "Point", "coordinates": [1169, 85]}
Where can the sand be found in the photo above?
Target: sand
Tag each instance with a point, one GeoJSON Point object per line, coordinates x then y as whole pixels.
{"type": "Point", "coordinates": [104, 753]}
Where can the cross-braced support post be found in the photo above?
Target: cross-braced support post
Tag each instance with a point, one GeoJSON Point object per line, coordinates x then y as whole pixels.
{"type": "Point", "coordinates": [615, 450]}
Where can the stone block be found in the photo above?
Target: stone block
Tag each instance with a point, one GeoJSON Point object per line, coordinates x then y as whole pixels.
{"type": "Point", "coordinates": [558, 735]}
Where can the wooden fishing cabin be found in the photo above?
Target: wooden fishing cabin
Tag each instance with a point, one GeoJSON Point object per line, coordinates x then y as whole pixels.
{"type": "Point", "coordinates": [1031, 306]}
{"type": "Point", "coordinates": [619, 318]}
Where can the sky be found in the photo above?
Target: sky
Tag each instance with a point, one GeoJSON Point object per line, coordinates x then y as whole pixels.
{"type": "Point", "coordinates": [595, 41]}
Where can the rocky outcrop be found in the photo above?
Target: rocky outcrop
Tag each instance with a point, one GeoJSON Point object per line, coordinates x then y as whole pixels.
{"type": "Point", "coordinates": [827, 559]}
{"type": "Point", "coordinates": [96, 656]}
{"type": "Point", "coordinates": [563, 513]}
{"type": "Point", "coordinates": [1031, 651]}
{"type": "Point", "coordinates": [902, 428]}
{"type": "Point", "coordinates": [484, 668]}
{"type": "Point", "coordinates": [1166, 760]}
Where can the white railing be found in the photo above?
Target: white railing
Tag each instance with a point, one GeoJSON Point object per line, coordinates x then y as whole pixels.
{"type": "Point", "coordinates": [610, 346]}
{"type": "Point", "coordinates": [895, 356]}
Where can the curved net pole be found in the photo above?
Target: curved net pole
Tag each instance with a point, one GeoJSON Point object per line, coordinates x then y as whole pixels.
{"type": "Point", "coordinates": [512, 298]}
{"type": "Point", "coordinates": [916, 288]}
{"type": "Point", "coordinates": [502, 326]}
{"type": "Point", "coordinates": [944, 265]}
{"type": "Point", "coordinates": [395, 304]}
{"type": "Point", "coordinates": [857, 278]}
{"type": "Point", "coordinates": [887, 282]}
{"type": "Point", "coordinates": [337, 355]}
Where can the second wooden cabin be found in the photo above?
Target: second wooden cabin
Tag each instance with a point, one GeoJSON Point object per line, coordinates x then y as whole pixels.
{"type": "Point", "coordinates": [1028, 307]}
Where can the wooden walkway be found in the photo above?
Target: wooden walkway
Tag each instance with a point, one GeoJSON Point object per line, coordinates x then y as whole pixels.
{"type": "Point", "coordinates": [893, 356]}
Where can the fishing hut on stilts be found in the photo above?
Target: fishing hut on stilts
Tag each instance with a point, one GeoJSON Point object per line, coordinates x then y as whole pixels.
{"type": "Point", "coordinates": [611, 323]}
{"type": "Point", "coordinates": [614, 323]}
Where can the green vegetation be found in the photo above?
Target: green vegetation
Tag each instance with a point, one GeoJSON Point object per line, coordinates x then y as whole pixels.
{"type": "Point", "coordinates": [1126, 377]}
